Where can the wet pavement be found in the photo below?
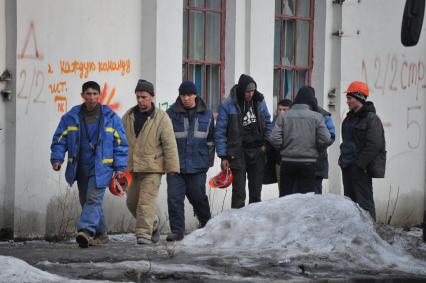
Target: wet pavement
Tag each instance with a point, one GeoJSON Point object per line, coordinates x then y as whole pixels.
{"type": "Point", "coordinates": [124, 260]}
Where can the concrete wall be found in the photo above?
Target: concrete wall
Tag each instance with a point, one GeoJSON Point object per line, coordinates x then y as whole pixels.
{"type": "Point", "coordinates": [2, 109]}
{"type": "Point", "coordinates": [372, 51]}
{"type": "Point", "coordinates": [326, 77]}
{"type": "Point", "coordinates": [59, 45]}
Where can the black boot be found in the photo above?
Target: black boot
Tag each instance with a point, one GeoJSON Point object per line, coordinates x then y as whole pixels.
{"type": "Point", "coordinates": [174, 237]}
{"type": "Point", "coordinates": [202, 224]}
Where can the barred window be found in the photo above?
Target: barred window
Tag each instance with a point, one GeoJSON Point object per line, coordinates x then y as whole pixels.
{"type": "Point", "coordinates": [292, 47]}
{"type": "Point", "coordinates": [203, 47]}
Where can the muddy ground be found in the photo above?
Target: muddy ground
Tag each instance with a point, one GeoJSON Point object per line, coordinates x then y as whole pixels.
{"type": "Point", "coordinates": [123, 260]}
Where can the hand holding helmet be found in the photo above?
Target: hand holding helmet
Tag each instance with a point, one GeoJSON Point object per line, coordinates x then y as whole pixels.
{"type": "Point", "coordinates": [120, 183]}
{"type": "Point", "coordinates": [222, 180]}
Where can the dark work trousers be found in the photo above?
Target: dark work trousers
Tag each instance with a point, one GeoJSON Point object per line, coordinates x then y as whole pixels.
{"type": "Point", "coordinates": [297, 177]}
{"type": "Point", "coordinates": [193, 186]}
{"type": "Point", "coordinates": [318, 184]}
{"type": "Point", "coordinates": [358, 187]}
{"type": "Point", "coordinates": [254, 160]}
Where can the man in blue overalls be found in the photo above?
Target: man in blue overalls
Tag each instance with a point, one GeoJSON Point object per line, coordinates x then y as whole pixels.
{"type": "Point", "coordinates": [95, 140]}
{"type": "Point", "coordinates": [193, 126]}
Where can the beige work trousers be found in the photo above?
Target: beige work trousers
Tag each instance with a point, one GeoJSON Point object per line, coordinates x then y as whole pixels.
{"type": "Point", "coordinates": [141, 202]}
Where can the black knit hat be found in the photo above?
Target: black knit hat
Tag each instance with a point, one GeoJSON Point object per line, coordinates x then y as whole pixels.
{"type": "Point", "coordinates": [144, 85]}
{"type": "Point", "coordinates": [187, 87]}
{"type": "Point", "coordinates": [90, 84]}
{"type": "Point", "coordinates": [358, 95]}
{"type": "Point", "coordinates": [285, 102]}
{"type": "Point", "coordinates": [306, 95]}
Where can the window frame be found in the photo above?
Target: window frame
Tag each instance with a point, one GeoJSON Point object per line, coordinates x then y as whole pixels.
{"type": "Point", "coordinates": [186, 62]}
{"type": "Point", "coordinates": [282, 67]}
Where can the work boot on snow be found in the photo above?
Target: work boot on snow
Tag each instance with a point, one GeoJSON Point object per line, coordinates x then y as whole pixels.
{"type": "Point", "coordinates": [100, 239]}
{"type": "Point", "coordinates": [143, 241]}
{"type": "Point", "coordinates": [83, 238]}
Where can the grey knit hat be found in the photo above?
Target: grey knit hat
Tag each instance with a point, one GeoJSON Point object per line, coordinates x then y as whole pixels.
{"type": "Point", "coordinates": [144, 85]}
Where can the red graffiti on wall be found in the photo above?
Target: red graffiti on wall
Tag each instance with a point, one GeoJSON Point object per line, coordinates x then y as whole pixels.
{"type": "Point", "coordinates": [106, 98]}
{"type": "Point", "coordinates": [393, 74]}
{"type": "Point", "coordinates": [35, 54]}
{"type": "Point", "coordinates": [61, 103]}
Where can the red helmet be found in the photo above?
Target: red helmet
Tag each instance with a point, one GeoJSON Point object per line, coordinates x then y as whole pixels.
{"type": "Point", "coordinates": [119, 186]}
{"type": "Point", "coordinates": [222, 180]}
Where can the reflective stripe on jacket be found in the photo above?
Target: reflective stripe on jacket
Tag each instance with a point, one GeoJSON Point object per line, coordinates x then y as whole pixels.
{"type": "Point", "coordinates": [195, 141]}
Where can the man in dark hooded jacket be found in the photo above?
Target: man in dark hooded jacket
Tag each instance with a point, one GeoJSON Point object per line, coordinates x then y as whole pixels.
{"type": "Point", "coordinates": [242, 128]}
{"type": "Point", "coordinates": [300, 134]}
{"type": "Point", "coordinates": [362, 152]}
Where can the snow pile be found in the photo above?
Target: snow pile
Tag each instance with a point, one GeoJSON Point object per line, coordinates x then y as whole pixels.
{"type": "Point", "coordinates": [15, 270]}
{"type": "Point", "coordinates": [314, 228]}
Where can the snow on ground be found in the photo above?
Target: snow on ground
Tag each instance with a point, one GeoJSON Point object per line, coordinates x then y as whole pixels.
{"type": "Point", "coordinates": [319, 228]}
{"type": "Point", "coordinates": [15, 270]}
{"type": "Point", "coordinates": [147, 270]}
{"type": "Point", "coordinates": [122, 237]}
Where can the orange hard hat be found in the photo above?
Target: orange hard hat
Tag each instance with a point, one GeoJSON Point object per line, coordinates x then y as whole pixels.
{"type": "Point", "coordinates": [120, 186]}
{"type": "Point", "coordinates": [359, 87]}
{"type": "Point", "coordinates": [222, 180]}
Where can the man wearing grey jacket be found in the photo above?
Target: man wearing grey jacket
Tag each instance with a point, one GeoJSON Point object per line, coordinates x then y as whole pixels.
{"type": "Point", "coordinates": [300, 134]}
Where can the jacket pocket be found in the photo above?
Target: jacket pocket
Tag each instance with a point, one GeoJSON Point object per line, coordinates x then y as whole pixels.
{"type": "Point", "coordinates": [348, 154]}
{"type": "Point", "coordinates": [377, 167]}
{"type": "Point", "coordinates": [200, 160]}
{"type": "Point", "coordinates": [360, 133]}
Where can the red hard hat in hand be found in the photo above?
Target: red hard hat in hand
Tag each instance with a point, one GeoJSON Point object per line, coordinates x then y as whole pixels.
{"type": "Point", "coordinates": [222, 180]}
{"type": "Point", "coordinates": [120, 186]}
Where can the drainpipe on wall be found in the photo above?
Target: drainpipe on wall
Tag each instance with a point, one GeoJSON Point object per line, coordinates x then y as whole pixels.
{"type": "Point", "coordinates": [424, 226]}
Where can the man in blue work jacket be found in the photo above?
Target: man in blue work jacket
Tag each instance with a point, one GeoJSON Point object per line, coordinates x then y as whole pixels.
{"type": "Point", "coordinates": [95, 140]}
{"type": "Point", "coordinates": [193, 126]}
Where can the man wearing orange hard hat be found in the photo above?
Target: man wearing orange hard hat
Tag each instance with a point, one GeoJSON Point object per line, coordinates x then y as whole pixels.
{"type": "Point", "coordinates": [363, 150]}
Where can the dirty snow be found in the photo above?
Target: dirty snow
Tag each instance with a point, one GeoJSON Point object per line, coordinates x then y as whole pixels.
{"type": "Point", "coordinates": [142, 266]}
{"type": "Point", "coordinates": [157, 271]}
{"type": "Point", "coordinates": [16, 270]}
{"type": "Point", "coordinates": [316, 228]}
{"type": "Point", "coordinates": [122, 237]}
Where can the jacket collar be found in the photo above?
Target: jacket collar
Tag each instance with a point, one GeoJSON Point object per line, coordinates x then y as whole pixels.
{"type": "Point", "coordinates": [200, 105]}
{"type": "Point", "coordinates": [365, 109]}
{"type": "Point", "coordinates": [74, 112]}
{"type": "Point", "coordinates": [135, 108]}
{"type": "Point", "coordinates": [300, 106]}
{"type": "Point", "coordinates": [323, 112]}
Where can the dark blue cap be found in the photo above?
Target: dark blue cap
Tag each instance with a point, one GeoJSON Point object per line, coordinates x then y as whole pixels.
{"type": "Point", "coordinates": [187, 87]}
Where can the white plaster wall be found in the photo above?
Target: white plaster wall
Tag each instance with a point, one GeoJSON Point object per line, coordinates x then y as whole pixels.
{"type": "Point", "coordinates": [149, 35]}
{"type": "Point", "coordinates": [371, 51]}
{"type": "Point", "coordinates": [261, 41]}
{"type": "Point", "coordinates": [235, 42]}
{"type": "Point", "coordinates": [2, 109]}
{"type": "Point", "coordinates": [326, 77]}
{"type": "Point", "coordinates": [50, 32]}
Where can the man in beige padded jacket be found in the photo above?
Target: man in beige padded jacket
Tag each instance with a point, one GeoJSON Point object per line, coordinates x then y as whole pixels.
{"type": "Point", "coordinates": [152, 152]}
